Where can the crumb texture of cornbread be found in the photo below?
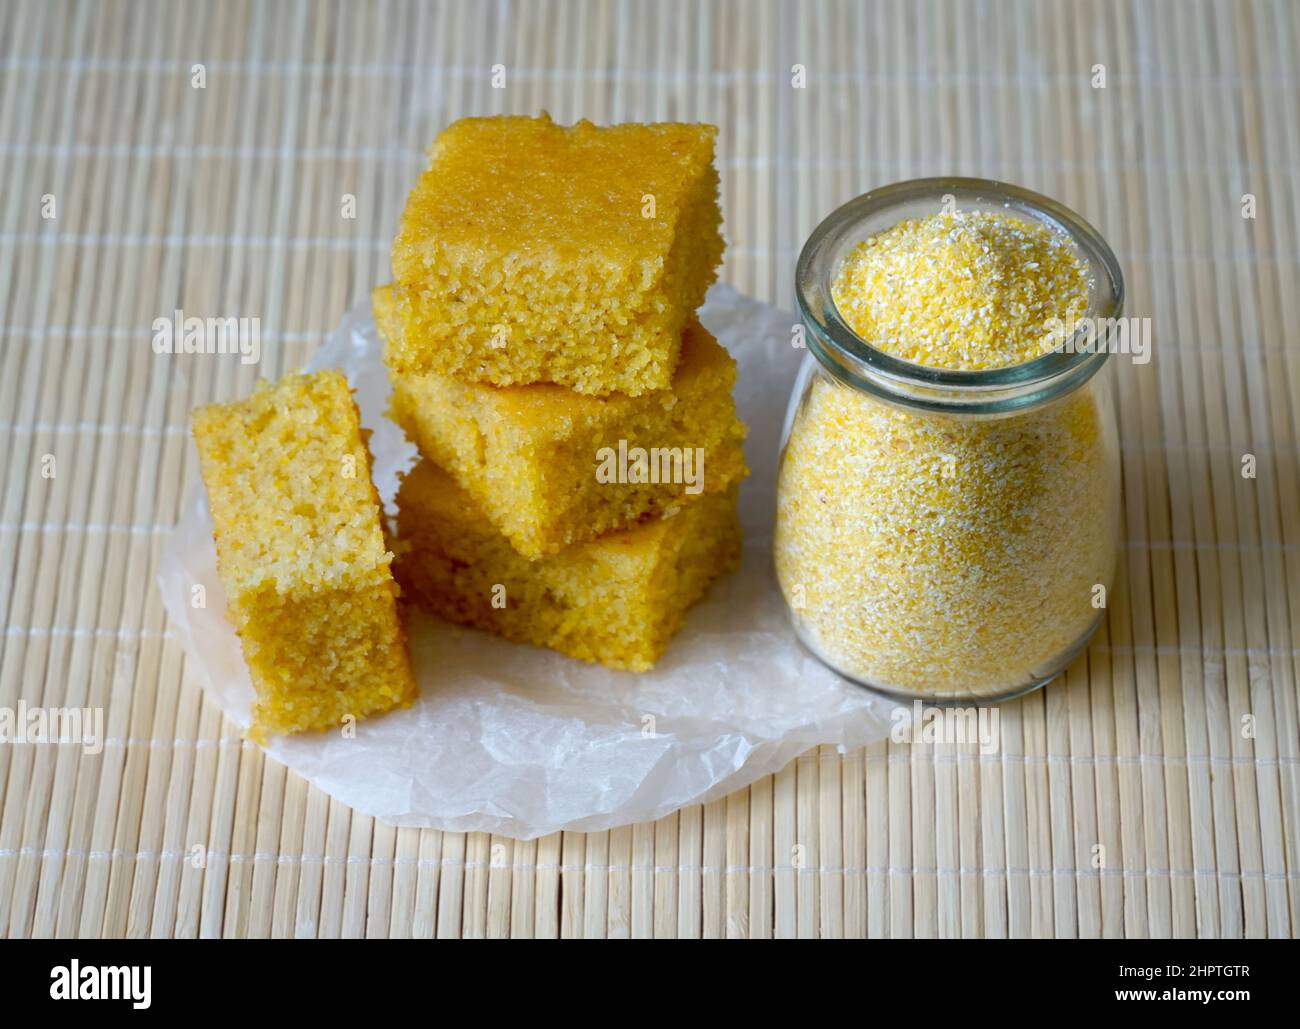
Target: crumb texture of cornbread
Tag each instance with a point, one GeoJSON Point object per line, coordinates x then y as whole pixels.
{"type": "Point", "coordinates": [534, 252]}
{"type": "Point", "coordinates": [302, 555]}
{"type": "Point", "coordinates": [529, 455]}
{"type": "Point", "coordinates": [938, 554]}
{"type": "Point", "coordinates": [968, 290]}
{"type": "Point", "coordinates": [617, 600]}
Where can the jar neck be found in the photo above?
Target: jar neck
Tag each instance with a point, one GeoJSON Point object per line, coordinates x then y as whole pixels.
{"type": "Point", "coordinates": [997, 391]}
{"type": "Point", "coordinates": [855, 362]}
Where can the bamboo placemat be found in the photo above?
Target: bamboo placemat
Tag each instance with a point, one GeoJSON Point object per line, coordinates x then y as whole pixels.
{"type": "Point", "coordinates": [228, 200]}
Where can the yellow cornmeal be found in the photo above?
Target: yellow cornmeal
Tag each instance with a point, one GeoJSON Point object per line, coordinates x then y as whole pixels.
{"type": "Point", "coordinates": [302, 555]}
{"type": "Point", "coordinates": [929, 554]}
{"type": "Point", "coordinates": [941, 555]}
{"type": "Point", "coordinates": [970, 290]}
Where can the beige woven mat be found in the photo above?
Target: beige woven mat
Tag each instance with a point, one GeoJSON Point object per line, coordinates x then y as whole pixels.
{"type": "Point", "coordinates": [228, 200]}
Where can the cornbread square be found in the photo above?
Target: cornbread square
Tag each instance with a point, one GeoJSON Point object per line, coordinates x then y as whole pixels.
{"type": "Point", "coordinates": [537, 459]}
{"type": "Point", "coordinates": [302, 555]}
{"type": "Point", "coordinates": [616, 600]}
{"type": "Point", "coordinates": [535, 252]}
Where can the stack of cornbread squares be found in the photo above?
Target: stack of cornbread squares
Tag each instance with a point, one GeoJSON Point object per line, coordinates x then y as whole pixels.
{"type": "Point", "coordinates": [580, 446]}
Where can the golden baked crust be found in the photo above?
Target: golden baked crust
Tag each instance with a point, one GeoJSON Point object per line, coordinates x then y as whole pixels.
{"type": "Point", "coordinates": [529, 455]}
{"type": "Point", "coordinates": [302, 555]}
{"type": "Point", "coordinates": [616, 600]}
{"type": "Point", "coordinates": [534, 252]}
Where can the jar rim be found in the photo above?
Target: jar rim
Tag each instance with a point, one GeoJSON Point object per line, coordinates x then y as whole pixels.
{"type": "Point", "coordinates": [855, 361]}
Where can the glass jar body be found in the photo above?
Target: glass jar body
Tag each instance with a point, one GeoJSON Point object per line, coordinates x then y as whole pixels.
{"type": "Point", "coordinates": [945, 555]}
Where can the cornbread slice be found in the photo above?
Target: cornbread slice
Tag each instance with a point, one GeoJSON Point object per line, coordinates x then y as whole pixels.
{"type": "Point", "coordinates": [302, 555]}
{"type": "Point", "coordinates": [534, 252]}
{"type": "Point", "coordinates": [537, 458]}
{"type": "Point", "coordinates": [617, 600]}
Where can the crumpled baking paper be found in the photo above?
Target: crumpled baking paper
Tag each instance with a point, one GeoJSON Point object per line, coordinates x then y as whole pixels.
{"type": "Point", "coordinates": [521, 741]}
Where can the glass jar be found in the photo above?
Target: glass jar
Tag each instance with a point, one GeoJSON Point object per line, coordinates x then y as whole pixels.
{"type": "Point", "coordinates": [947, 535]}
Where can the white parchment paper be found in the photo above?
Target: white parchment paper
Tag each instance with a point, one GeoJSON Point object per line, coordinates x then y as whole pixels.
{"type": "Point", "coordinates": [521, 741]}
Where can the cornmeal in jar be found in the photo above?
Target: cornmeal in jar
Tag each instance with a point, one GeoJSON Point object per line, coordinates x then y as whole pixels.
{"type": "Point", "coordinates": [970, 290]}
{"type": "Point", "coordinates": [922, 553]}
{"type": "Point", "coordinates": [550, 467]}
{"type": "Point", "coordinates": [939, 553]}
{"type": "Point", "coordinates": [535, 252]}
{"type": "Point", "coordinates": [302, 555]}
